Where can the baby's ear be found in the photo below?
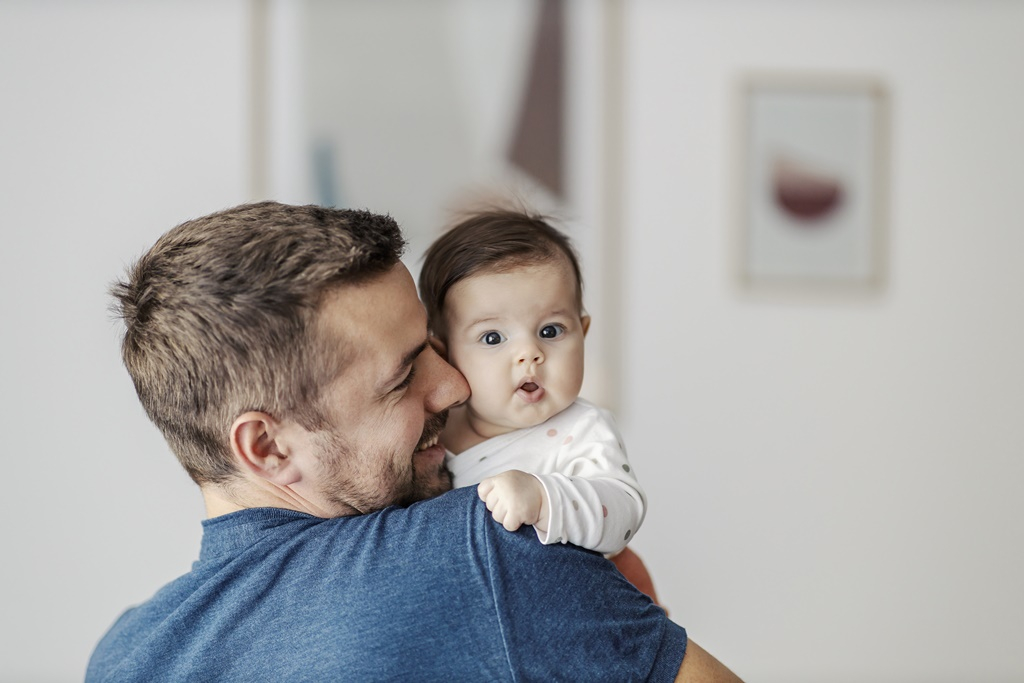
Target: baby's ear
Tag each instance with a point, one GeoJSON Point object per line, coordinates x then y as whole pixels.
{"type": "Point", "coordinates": [439, 346]}
{"type": "Point", "coordinates": [585, 320]}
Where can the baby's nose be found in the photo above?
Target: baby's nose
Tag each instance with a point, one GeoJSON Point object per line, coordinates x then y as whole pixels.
{"type": "Point", "coordinates": [531, 355]}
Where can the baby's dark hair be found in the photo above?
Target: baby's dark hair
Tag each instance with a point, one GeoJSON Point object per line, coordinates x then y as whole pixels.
{"type": "Point", "coordinates": [494, 241]}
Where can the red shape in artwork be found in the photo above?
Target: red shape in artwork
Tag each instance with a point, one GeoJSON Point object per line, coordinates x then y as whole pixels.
{"type": "Point", "coordinates": [805, 193]}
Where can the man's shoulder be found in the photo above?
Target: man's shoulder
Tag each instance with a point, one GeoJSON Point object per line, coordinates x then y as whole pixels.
{"type": "Point", "coordinates": [368, 595]}
{"type": "Point", "coordinates": [461, 502]}
{"type": "Point", "coordinates": [461, 519]}
{"type": "Point", "coordinates": [345, 585]}
{"type": "Point", "coordinates": [446, 519]}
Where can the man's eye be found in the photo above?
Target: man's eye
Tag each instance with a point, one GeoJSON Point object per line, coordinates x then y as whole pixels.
{"type": "Point", "coordinates": [408, 379]}
{"type": "Point", "coordinates": [551, 331]}
{"type": "Point", "coordinates": [492, 338]}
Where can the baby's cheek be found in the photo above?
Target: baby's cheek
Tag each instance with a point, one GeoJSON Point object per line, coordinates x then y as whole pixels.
{"type": "Point", "coordinates": [484, 404]}
{"type": "Point", "coordinates": [482, 384]}
{"type": "Point", "coordinates": [474, 371]}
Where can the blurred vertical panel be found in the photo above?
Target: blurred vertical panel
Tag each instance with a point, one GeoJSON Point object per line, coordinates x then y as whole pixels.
{"type": "Point", "coordinates": [537, 144]}
{"type": "Point", "coordinates": [611, 197]}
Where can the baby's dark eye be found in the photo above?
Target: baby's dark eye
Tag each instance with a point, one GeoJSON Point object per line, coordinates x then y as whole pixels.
{"type": "Point", "coordinates": [492, 338]}
{"type": "Point", "coordinates": [551, 331]}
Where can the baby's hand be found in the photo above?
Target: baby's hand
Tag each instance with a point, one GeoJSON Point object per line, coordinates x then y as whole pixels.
{"type": "Point", "coordinates": [515, 498]}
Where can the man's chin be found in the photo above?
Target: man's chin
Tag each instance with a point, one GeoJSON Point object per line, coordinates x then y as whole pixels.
{"type": "Point", "coordinates": [437, 482]}
{"type": "Point", "coordinates": [427, 482]}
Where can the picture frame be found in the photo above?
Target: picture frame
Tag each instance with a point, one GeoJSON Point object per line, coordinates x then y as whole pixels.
{"type": "Point", "coordinates": [812, 182]}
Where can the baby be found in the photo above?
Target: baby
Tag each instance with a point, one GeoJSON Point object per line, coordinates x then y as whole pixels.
{"type": "Point", "coordinates": [503, 294]}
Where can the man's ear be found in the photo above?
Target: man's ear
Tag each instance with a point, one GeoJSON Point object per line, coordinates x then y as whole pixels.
{"type": "Point", "coordinates": [585, 319]}
{"type": "Point", "coordinates": [258, 447]}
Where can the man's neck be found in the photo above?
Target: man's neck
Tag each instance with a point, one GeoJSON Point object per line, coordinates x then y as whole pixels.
{"type": "Point", "coordinates": [242, 496]}
{"type": "Point", "coordinates": [217, 505]}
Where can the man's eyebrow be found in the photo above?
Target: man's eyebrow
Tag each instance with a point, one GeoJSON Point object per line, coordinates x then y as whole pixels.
{"type": "Point", "coordinates": [402, 368]}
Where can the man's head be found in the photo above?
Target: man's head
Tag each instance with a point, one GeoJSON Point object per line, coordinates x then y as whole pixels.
{"type": "Point", "coordinates": [504, 294]}
{"type": "Point", "coordinates": [251, 338]}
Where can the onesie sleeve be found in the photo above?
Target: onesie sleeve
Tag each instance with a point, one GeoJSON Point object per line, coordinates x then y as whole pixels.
{"type": "Point", "coordinates": [565, 613]}
{"type": "Point", "coordinates": [595, 500]}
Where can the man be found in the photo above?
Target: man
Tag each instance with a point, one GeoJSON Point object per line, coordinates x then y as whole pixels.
{"type": "Point", "coordinates": [283, 353]}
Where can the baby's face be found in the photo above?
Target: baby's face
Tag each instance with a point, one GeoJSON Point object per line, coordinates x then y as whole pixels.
{"type": "Point", "coordinates": [517, 336]}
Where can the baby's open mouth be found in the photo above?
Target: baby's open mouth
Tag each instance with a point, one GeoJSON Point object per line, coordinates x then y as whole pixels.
{"type": "Point", "coordinates": [530, 392]}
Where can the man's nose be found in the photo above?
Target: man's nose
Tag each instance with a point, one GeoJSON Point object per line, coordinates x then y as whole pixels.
{"type": "Point", "coordinates": [447, 387]}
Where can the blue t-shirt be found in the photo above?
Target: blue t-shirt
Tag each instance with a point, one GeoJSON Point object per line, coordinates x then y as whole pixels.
{"type": "Point", "coordinates": [434, 592]}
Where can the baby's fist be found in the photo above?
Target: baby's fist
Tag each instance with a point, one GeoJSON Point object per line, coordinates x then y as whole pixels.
{"type": "Point", "coordinates": [514, 498]}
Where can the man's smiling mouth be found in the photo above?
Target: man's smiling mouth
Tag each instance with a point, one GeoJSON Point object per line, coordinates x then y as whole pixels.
{"type": "Point", "coordinates": [429, 443]}
{"type": "Point", "coordinates": [432, 431]}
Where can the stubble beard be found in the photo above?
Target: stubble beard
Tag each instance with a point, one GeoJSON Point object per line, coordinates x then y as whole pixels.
{"type": "Point", "coordinates": [437, 480]}
{"type": "Point", "coordinates": [395, 481]}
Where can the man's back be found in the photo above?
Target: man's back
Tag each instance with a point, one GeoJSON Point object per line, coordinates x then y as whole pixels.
{"type": "Point", "coordinates": [430, 592]}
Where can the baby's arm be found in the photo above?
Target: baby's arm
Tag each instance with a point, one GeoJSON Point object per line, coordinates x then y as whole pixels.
{"type": "Point", "coordinates": [592, 510]}
{"type": "Point", "coordinates": [586, 495]}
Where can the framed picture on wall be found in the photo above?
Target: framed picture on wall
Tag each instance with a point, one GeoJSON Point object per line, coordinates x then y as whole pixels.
{"type": "Point", "coordinates": [812, 182]}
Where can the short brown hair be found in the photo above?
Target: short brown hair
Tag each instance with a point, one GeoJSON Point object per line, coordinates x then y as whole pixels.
{"type": "Point", "coordinates": [496, 240]}
{"type": "Point", "coordinates": [221, 317]}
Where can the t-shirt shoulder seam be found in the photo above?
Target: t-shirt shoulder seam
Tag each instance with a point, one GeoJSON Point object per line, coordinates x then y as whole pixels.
{"type": "Point", "coordinates": [487, 533]}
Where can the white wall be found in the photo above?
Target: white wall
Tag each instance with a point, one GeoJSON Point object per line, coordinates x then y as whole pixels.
{"type": "Point", "coordinates": [832, 485]}
{"type": "Point", "coordinates": [118, 120]}
{"type": "Point", "coordinates": [835, 486]}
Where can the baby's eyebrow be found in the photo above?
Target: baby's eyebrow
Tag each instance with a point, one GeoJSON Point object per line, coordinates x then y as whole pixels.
{"type": "Point", "coordinates": [562, 312]}
{"type": "Point", "coordinates": [491, 319]}
{"type": "Point", "coordinates": [481, 321]}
